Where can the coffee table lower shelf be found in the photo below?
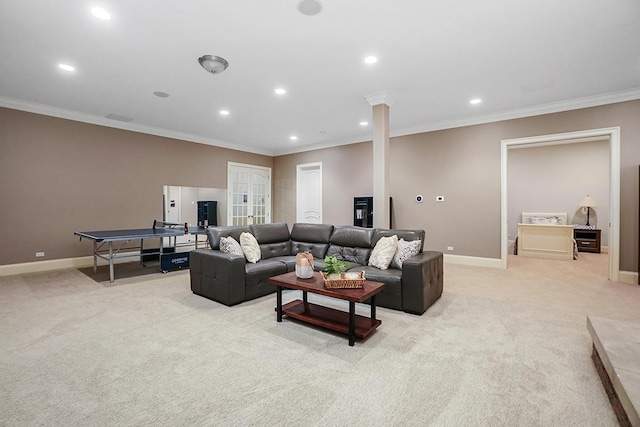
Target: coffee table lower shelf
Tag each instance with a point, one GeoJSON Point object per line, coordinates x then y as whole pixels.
{"type": "Point", "coordinates": [329, 318]}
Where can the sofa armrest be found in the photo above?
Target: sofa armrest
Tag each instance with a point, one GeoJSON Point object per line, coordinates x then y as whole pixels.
{"type": "Point", "coordinates": [218, 276]}
{"type": "Point", "coordinates": [422, 281]}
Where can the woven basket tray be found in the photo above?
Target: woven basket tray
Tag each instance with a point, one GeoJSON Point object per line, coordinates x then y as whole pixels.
{"type": "Point", "coordinates": [343, 283]}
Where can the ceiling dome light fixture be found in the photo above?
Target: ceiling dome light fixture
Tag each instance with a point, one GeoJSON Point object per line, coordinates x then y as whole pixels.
{"type": "Point", "coordinates": [475, 101]}
{"type": "Point", "coordinates": [280, 91]}
{"type": "Point", "coordinates": [213, 64]}
{"type": "Point", "coordinates": [309, 7]}
{"type": "Point", "coordinates": [370, 60]}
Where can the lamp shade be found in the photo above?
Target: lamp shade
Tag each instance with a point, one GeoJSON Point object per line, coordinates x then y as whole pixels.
{"type": "Point", "coordinates": [588, 202]}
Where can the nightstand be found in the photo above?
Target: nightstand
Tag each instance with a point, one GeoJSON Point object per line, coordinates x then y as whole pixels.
{"type": "Point", "coordinates": [587, 240]}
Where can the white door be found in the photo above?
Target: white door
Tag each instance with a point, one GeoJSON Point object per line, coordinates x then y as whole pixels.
{"type": "Point", "coordinates": [309, 193]}
{"type": "Point", "coordinates": [248, 194]}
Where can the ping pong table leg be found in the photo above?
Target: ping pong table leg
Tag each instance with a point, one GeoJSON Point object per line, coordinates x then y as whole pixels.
{"type": "Point", "coordinates": [111, 262]}
{"type": "Point", "coordinates": [95, 257]}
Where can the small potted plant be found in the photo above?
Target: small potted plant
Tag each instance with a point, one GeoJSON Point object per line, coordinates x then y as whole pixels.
{"type": "Point", "coordinates": [333, 267]}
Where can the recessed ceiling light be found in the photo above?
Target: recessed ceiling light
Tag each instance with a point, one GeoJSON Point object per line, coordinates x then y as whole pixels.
{"type": "Point", "coordinates": [363, 123]}
{"type": "Point", "coordinates": [66, 67]}
{"type": "Point", "coordinates": [100, 13]}
{"type": "Point", "coordinates": [280, 91]}
{"type": "Point", "coordinates": [370, 60]}
{"type": "Point", "coordinates": [161, 94]}
{"type": "Point", "coordinates": [475, 101]}
{"type": "Point", "coordinates": [224, 112]}
{"type": "Point", "coordinates": [293, 138]}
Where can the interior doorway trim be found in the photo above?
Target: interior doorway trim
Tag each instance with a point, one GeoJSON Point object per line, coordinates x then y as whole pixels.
{"type": "Point", "coordinates": [613, 134]}
{"type": "Point", "coordinates": [309, 192]}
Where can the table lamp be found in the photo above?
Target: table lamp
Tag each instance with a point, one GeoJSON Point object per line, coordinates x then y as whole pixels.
{"type": "Point", "coordinates": [587, 203]}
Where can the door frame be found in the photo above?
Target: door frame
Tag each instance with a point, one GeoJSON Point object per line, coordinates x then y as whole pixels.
{"type": "Point", "coordinates": [299, 169]}
{"type": "Point", "coordinates": [613, 134]}
{"type": "Point", "coordinates": [269, 204]}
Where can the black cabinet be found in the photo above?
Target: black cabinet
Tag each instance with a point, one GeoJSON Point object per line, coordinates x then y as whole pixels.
{"type": "Point", "coordinates": [207, 213]}
{"type": "Point", "coordinates": [363, 211]}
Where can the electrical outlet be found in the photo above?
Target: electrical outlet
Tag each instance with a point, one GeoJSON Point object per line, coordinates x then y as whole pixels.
{"type": "Point", "coordinates": [449, 248]}
{"type": "Point", "coordinates": [39, 254]}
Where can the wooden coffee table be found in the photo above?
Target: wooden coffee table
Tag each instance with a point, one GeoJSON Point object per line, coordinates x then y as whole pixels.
{"type": "Point", "coordinates": [347, 323]}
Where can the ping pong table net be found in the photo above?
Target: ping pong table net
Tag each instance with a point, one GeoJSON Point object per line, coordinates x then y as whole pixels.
{"type": "Point", "coordinates": [172, 225]}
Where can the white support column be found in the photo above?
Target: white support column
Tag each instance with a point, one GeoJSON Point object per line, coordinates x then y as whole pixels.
{"type": "Point", "coordinates": [381, 102]}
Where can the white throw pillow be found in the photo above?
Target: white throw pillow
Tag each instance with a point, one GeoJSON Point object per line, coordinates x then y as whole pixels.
{"type": "Point", "coordinates": [230, 245]}
{"type": "Point", "coordinates": [250, 247]}
{"type": "Point", "coordinates": [383, 252]}
{"type": "Point", "coordinates": [405, 250]}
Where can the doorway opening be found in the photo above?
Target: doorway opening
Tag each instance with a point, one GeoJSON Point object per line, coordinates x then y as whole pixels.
{"type": "Point", "coordinates": [613, 135]}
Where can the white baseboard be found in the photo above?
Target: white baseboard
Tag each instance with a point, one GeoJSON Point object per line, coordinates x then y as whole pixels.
{"type": "Point", "coordinates": [38, 266]}
{"type": "Point", "coordinates": [472, 260]}
{"type": "Point", "coordinates": [630, 277]}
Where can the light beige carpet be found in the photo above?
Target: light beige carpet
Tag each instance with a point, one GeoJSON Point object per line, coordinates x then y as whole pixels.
{"type": "Point", "coordinates": [500, 348]}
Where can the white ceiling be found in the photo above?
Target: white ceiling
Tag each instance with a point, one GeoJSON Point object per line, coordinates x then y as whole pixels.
{"type": "Point", "coordinates": [521, 57]}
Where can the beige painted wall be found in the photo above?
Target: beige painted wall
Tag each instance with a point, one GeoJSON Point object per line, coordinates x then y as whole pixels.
{"type": "Point", "coordinates": [59, 176]}
{"type": "Point", "coordinates": [463, 165]}
{"type": "Point", "coordinates": [346, 173]}
{"type": "Point", "coordinates": [555, 178]}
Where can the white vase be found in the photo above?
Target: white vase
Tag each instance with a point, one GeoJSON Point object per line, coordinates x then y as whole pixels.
{"type": "Point", "coordinates": [304, 271]}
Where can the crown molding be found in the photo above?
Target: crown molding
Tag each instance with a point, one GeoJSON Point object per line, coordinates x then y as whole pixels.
{"type": "Point", "coordinates": [536, 110]}
{"type": "Point", "coordinates": [61, 113]}
{"type": "Point", "coordinates": [380, 98]}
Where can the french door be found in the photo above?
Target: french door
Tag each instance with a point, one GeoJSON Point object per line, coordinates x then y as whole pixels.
{"type": "Point", "coordinates": [248, 194]}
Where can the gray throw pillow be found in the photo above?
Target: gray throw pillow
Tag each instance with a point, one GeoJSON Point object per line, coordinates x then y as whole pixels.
{"type": "Point", "coordinates": [405, 250]}
{"type": "Point", "coordinates": [230, 245]}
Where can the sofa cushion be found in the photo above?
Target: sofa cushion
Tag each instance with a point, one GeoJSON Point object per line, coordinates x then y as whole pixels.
{"type": "Point", "coordinates": [230, 245]}
{"type": "Point", "coordinates": [351, 255]}
{"type": "Point", "coordinates": [311, 233]}
{"type": "Point", "coordinates": [352, 236]}
{"type": "Point", "coordinates": [215, 233]}
{"type": "Point", "coordinates": [391, 295]}
{"type": "Point", "coordinates": [270, 233]}
{"type": "Point", "coordinates": [250, 247]}
{"type": "Point", "coordinates": [351, 244]}
{"type": "Point", "coordinates": [273, 239]}
{"type": "Point", "coordinates": [383, 252]}
{"type": "Point", "coordinates": [318, 250]}
{"type": "Point", "coordinates": [405, 250]}
{"type": "Point", "coordinates": [257, 277]}
{"type": "Point", "coordinates": [312, 238]}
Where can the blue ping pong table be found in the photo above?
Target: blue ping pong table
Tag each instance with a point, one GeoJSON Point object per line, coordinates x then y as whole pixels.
{"type": "Point", "coordinates": [159, 230]}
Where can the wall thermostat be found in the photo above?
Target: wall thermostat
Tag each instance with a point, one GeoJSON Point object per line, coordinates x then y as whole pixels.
{"type": "Point", "coordinates": [419, 198]}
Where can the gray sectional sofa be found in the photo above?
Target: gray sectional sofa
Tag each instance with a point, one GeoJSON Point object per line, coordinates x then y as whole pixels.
{"type": "Point", "coordinates": [230, 279]}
